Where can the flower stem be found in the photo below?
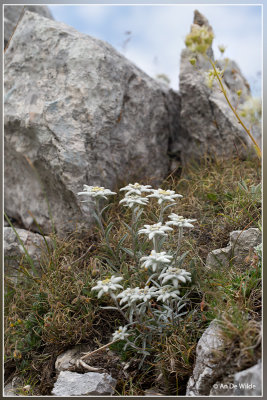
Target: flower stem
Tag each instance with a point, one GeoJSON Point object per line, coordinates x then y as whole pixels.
{"type": "Point", "coordinates": [257, 148]}
{"type": "Point", "coordinates": [99, 216]}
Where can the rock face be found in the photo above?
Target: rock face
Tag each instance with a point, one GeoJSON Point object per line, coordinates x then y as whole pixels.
{"type": "Point", "coordinates": [244, 383]}
{"type": "Point", "coordinates": [13, 249]}
{"type": "Point", "coordinates": [241, 244]}
{"type": "Point", "coordinates": [90, 383]}
{"type": "Point", "coordinates": [206, 370]}
{"type": "Point", "coordinates": [249, 381]}
{"type": "Point", "coordinates": [77, 112]}
{"type": "Point", "coordinates": [208, 126]}
{"type": "Point", "coordinates": [12, 15]}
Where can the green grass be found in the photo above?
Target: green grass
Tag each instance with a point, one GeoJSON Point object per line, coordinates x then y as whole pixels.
{"type": "Point", "coordinates": [49, 313]}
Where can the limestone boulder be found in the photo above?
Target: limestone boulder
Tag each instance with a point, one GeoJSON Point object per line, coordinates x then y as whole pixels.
{"type": "Point", "coordinates": [249, 381]}
{"type": "Point", "coordinates": [206, 369]}
{"type": "Point", "coordinates": [90, 383]}
{"type": "Point", "coordinates": [208, 125]}
{"type": "Point", "coordinates": [77, 112]}
{"type": "Point", "coordinates": [34, 244]}
{"type": "Point", "coordinates": [12, 14]}
{"type": "Point", "coordinates": [243, 243]}
{"type": "Point", "coordinates": [239, 250]}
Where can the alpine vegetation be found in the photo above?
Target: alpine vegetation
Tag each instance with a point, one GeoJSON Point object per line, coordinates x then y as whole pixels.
{"type": "Point", "coordinates": [149, 310]}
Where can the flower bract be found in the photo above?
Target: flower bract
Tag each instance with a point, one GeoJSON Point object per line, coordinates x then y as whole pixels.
{"type": "Point", "coordinates": [95, 192]}
{"type": "Point", "coordinates": [167, 292]}
{"type": "Point", "coordinates": [175, 275]}
{"type": "Point", "coordinates": [154, 260]}
{"type": "Point", "coordinates": [155, 229]}
{"type": "Point", "coordinates": [136, 189]}
{"type": "Point", "coordinates": [120, 334]}
{"type": "Point", "coordinates": [134, 199]}
{"type": "Point", "coordinates": [180, 221]}
{"type": "Point", "coordinates": [164, 195]}
{"type": "Point", "coordinates": [108, 285]}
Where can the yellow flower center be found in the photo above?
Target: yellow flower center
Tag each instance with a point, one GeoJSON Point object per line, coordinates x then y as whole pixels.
{"type": "Point", "coordinates": [96, 189]}
{"type": "Point", "coordinates": [165, 192]}
{"type": "Point", "coordinates": [105, 281]}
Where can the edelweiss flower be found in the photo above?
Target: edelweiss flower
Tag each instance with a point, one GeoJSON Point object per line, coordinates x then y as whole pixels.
{"type": "Point", "coordinates": [167, 292]}
{"type": "Point", "coordinates": [155, 259]}
{"type": "Point", "coordinates": [175, 275]}
{"type": "Point", "coordinates": [95, 192]}
{"type": "Point", "coordinates": [126, 296]}
{"type": "Point", "coordinates": [134, 199]}
{"type": "Point", "coordinates": [164, 195]}
{"type": "Point", "coordinates": [131, 296]}
{"type": "Point", "coordinates": [136, 189]}
{"type": "Point", "coordinates": [144, 294]}
{"type": "Point", "coordinates": [155, 229]}
{"type": "Point", "coordinates": [180, 221]}
{"type": "Point", "coordinates": [108, 285]}
{"type": "Point", "coordinates": [120, 334]}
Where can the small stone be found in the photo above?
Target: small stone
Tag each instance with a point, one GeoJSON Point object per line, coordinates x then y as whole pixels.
{"type": "Point", "coordinates": [67, 360]}
{"type": "Point", "coordinates": [218, 258]}
{"type": "Point", "coordinates": [90, 383]}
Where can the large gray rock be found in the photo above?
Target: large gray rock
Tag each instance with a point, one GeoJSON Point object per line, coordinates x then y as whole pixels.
{"type": "Point", "coordinates": [12, 14]}
{"type": "Point", "coordinates": [206, 369]}
{"type": "Point", "coordinates": [244, 383]}
{"type": "Point", "coordinates": [208, 124]}
{"type": "Point", "coordinates": [13, 249]}
{"type": "Point", "coordinates": [243, 243]}
{"type": "Point", "coordinates": [90, 383]}
{"type": "Point", "coordinates": [77, 112]}
{"type": "Point", "coordinates": [249, 381]}
{"type": "Point", "coordinates": [238, 251]}
{"type": "Point", "coordinates": [218, 258]}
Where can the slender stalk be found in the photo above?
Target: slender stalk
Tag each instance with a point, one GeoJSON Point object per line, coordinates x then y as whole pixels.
{"type": "Point", "coordinates": [155, 243]}
{"type": "Point", "coordinates": [97, 350]}
{"type": "Point", "coordinates": [258, 150]}
{"type": "Point", "coordinates": [161, 212]}
{"type": "Point", "coordinates": [118, 307]}
{"type": "Point", "coordinates": [99, 216]}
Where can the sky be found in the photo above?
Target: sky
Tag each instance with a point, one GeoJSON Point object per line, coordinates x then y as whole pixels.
{"type": "Point", "coordinates": [153, 36]}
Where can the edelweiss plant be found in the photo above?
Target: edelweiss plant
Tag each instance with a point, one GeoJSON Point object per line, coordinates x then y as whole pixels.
{"type": "Point", "coordinates": [153, 308]}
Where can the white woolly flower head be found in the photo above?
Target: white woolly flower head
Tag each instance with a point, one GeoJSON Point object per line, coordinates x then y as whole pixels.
{"type": "Point", "coordinates": [175, 275]}
{"type": "Point", "coordinates": [180, 221]}
{"type": "Point", "coordinates": [120, 334]}
{"type": "Point", "coordinates": [134, 199]}
{"type": "Point", "coordinates": [143, 294]}
{"type": "Point", "coordinates": [167, 292]}
{"type": "Point", "coordinates": [108, 285]}
{"type": "Point", "coordinates": [155, 229]}
{"type": "Point", "coordinates": [132, 296]}
{"type": "Point", "coordinates": [136, 189]}
{"type": "Point", "coordinates": [95, 192]}
{"type": "Point", "coordinates": [155, 260]}
{"type": "Point", "coordinates": [164, 195]}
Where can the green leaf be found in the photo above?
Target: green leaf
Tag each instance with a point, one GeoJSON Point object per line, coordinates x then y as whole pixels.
{"type": "Point", "coordinates": [128, 251]}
